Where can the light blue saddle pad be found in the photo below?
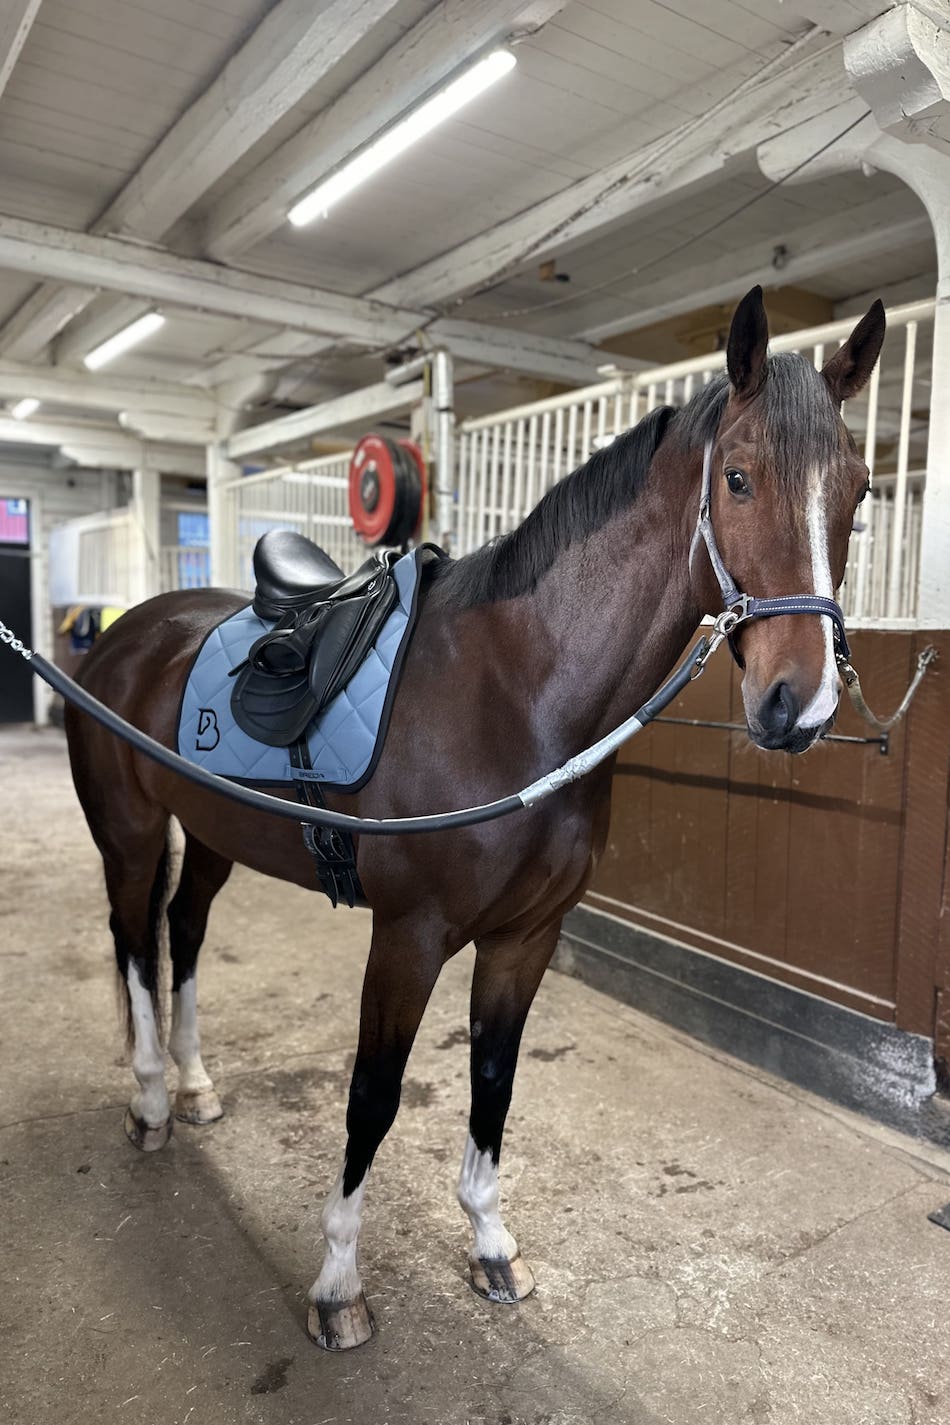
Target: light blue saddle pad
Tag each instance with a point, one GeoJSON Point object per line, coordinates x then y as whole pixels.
{"type": "Point", "coordinates": [344, 741]}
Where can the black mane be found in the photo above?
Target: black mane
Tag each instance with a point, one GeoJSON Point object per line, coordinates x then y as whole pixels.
{"type": "Point", "coordinates": [513, 563]}
{"type": "Point", "coordinates": [801, 432]}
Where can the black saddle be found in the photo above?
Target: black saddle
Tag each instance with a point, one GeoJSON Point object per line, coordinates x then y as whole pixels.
{"type": "Point", "coordinates": [326, 622]}
{"type": "Point", "coordinates": [292, 573]}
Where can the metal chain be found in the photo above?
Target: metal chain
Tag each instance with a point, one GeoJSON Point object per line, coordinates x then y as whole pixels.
{"type": "Point", "coordinates": [8, 636]}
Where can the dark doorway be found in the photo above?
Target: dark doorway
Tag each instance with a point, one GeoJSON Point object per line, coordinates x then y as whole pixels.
{"type": "Point", "coordinates": [16, 682]}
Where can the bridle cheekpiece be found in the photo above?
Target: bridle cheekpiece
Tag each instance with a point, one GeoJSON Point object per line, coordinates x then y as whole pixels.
{"type": "Point", "coordinates": [739, 608]}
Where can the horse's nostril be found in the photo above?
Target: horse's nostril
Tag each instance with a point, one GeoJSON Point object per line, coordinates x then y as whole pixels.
{"type": "Point", "coordinates": [779, 711]}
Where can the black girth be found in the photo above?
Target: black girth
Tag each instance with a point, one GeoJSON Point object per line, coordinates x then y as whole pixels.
{"type": "Point", "coordinates": [333, 851]}
{"type": "Point", "coordinates": [746, 606]}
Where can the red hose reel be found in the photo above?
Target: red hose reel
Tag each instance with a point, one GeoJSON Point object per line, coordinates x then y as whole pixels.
{"type": "Point", "coordinates": [387, 489]}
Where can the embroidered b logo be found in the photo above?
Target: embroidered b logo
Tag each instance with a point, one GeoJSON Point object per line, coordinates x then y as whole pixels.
{"type": "Point", "coordinates": [208, 734]}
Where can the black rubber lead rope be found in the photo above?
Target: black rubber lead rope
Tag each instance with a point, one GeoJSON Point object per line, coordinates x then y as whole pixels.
{"type": "Point", "coordinates": [576, 767]}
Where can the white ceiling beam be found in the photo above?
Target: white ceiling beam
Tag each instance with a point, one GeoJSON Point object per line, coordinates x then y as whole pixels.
{"type": "Point", "coordinates": [138, 455]}
{"type": "Point", "coordinates": [354, 407]}
{"type": "Point", "coordinates": [690, 158]}
{"type": "Point", "coordinates": [900, 65]}
{"type": "Point", "coordinates": [102, 447]}
{"type": "Point", "coordinates": [839, 139]}
{"type": "Point", "coordinates": [16, 21]}
{"type": "Point", "coordinates": [39, 319]}
{"type": "Point", "coordinates": [295, 46]}
{"type": "Point", "coordinates": [550, 358]}
{"type": "Point", "coordinates": [94, 393]}
{"type": "Point", "coordinates": [94, 326]}
{"type": "Point", "coordinates": [832, 242]}
{"type": "Point", "coordinates": [291, 50]}
{"type": "Point", "coordinates": [838, 16]}
{"type": "Point", "coordinates": [425, 57]}
{"type": "Point", "coordinates": [152, 426]}
{"type": "Point", "coordinates": [120, 265]}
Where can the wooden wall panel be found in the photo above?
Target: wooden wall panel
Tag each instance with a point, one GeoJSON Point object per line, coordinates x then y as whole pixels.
{"type": "Point", "coordinates": [757, 863]}
{"type": "Point", "coordinates": [926, 782]}
{"type": "Point", "coordinates": [825, 871]}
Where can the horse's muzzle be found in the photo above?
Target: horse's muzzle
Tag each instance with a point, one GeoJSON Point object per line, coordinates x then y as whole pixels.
{"type": "Point", "coordinates": [775, 725]}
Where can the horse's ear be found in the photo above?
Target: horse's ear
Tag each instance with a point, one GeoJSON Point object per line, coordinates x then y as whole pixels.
{"type": "Point", "coordinates": [747, 348]}
{"type": "Point", "coordinates": [848, 370]}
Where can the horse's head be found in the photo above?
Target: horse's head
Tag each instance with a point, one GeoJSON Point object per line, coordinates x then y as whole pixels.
{"type": "Point", "coordinates": [786, 479]}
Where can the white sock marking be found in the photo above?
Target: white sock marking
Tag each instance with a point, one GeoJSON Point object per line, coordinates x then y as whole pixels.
{"type": "Point", "coordinates": [339, 1279]}
{"type": "Point", "coordinates": [825, 701]}
{"type": "Point", "coordinates": [150, 1101]}
{"type": "Point", "coordinates": [479, 1195]}
{"type": "Point", "coordinates": [184, 1043]}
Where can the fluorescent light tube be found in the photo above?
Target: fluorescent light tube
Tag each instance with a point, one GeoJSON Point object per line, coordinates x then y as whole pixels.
{"type": "Point", "coordinates": [24, 408]}
{"type": "Point", "coordinates": [390, 144]}
{"type": "Point", "coordinates": [129, 336]}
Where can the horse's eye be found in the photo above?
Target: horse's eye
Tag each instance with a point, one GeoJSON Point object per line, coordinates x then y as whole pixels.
{"type": "Point", "coordinates": [864, 493]}
{"type": "Point", "coordinates": [736, 482]}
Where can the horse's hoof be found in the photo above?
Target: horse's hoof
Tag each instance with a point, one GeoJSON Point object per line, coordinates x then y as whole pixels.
{"type": "Point", "coordinates": [340, 1325]}
{"type": "Point", "coordinates": [498, 1279]}
{"type": "Point", "coordinates": [198, 1106]}
{"type": "Point", "coordinates": [148, 1139]}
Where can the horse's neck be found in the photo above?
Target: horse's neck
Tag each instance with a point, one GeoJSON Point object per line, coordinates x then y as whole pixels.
{"type": "Point", "coordinates": [617, 608]}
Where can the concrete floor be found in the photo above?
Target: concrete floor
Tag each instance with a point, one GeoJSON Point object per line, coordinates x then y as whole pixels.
{"type": "Point", "coordinates": [709, 1244]}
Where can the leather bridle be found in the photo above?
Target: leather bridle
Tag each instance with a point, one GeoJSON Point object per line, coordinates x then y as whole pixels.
{"type": "Point", "coordinates": [739, 608]}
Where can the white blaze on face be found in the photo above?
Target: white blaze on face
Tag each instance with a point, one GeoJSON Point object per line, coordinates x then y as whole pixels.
{"type": "Point", "coordinates": [825, 701]}
{"type": "Point", "coordinates": [150, 1103]}
{"type": "Point", "coordinates": [478, 1193]}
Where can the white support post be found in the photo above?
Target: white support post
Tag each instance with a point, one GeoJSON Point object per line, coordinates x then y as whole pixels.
{"type": "Point", "coordinates": [40, 612]}
{"type": "Point", "coordinates": [222, 534]}
{"type": "Point", "coordinates": [933, 608]}
{"type": "Point", "coordinates": [898, 65]}
{"type": "Point", "coordinates": [144, 572]}
{"type": "Point", "coordinates": [445, 512]}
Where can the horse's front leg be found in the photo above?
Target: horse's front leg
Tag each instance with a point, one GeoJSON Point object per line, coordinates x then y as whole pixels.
{"type": "Point", "coordinates": [404, 964]}
{"type": "Point", "coordinates": [507, 974]}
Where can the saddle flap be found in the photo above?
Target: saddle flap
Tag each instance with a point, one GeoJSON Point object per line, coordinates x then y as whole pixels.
{"type": "Point", "coordinates": [346, 637]}
{"type": "Point", "coordinates": [275, 711]}
{"type": "Point", "coordinates": [295, 669]}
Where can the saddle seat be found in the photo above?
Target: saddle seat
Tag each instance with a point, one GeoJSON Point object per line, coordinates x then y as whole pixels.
{"type": "Point", "coordinates": [325, 624]}
{"type": "Point", "coordinates": [291, 573]}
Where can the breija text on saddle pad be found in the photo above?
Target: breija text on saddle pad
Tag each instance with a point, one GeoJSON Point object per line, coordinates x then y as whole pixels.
{"type": "Point", "coordinates": [344, 741]}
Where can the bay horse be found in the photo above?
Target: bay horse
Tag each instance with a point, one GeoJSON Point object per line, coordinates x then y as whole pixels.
{"type": "Point", "coordinates": [525, 651]}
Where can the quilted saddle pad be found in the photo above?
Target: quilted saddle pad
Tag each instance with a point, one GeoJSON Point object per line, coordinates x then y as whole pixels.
{"type": "Point", "coordinates": [344, 741]}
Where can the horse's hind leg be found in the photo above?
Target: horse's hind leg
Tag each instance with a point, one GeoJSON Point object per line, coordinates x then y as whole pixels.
{"type": "Point", "coordinates": [203, 873]}
{"type": "Point", "coordinates": [507, 975]}
{"type": "Point", "coordinates": [135, 868]}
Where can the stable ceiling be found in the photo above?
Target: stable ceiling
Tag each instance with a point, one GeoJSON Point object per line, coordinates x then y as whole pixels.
{"type": "Point", "coordinates": [190, 126]}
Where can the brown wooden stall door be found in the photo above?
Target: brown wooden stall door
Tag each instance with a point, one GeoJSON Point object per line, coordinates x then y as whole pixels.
{"type": "Point", "coordinates": [824, 871]}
